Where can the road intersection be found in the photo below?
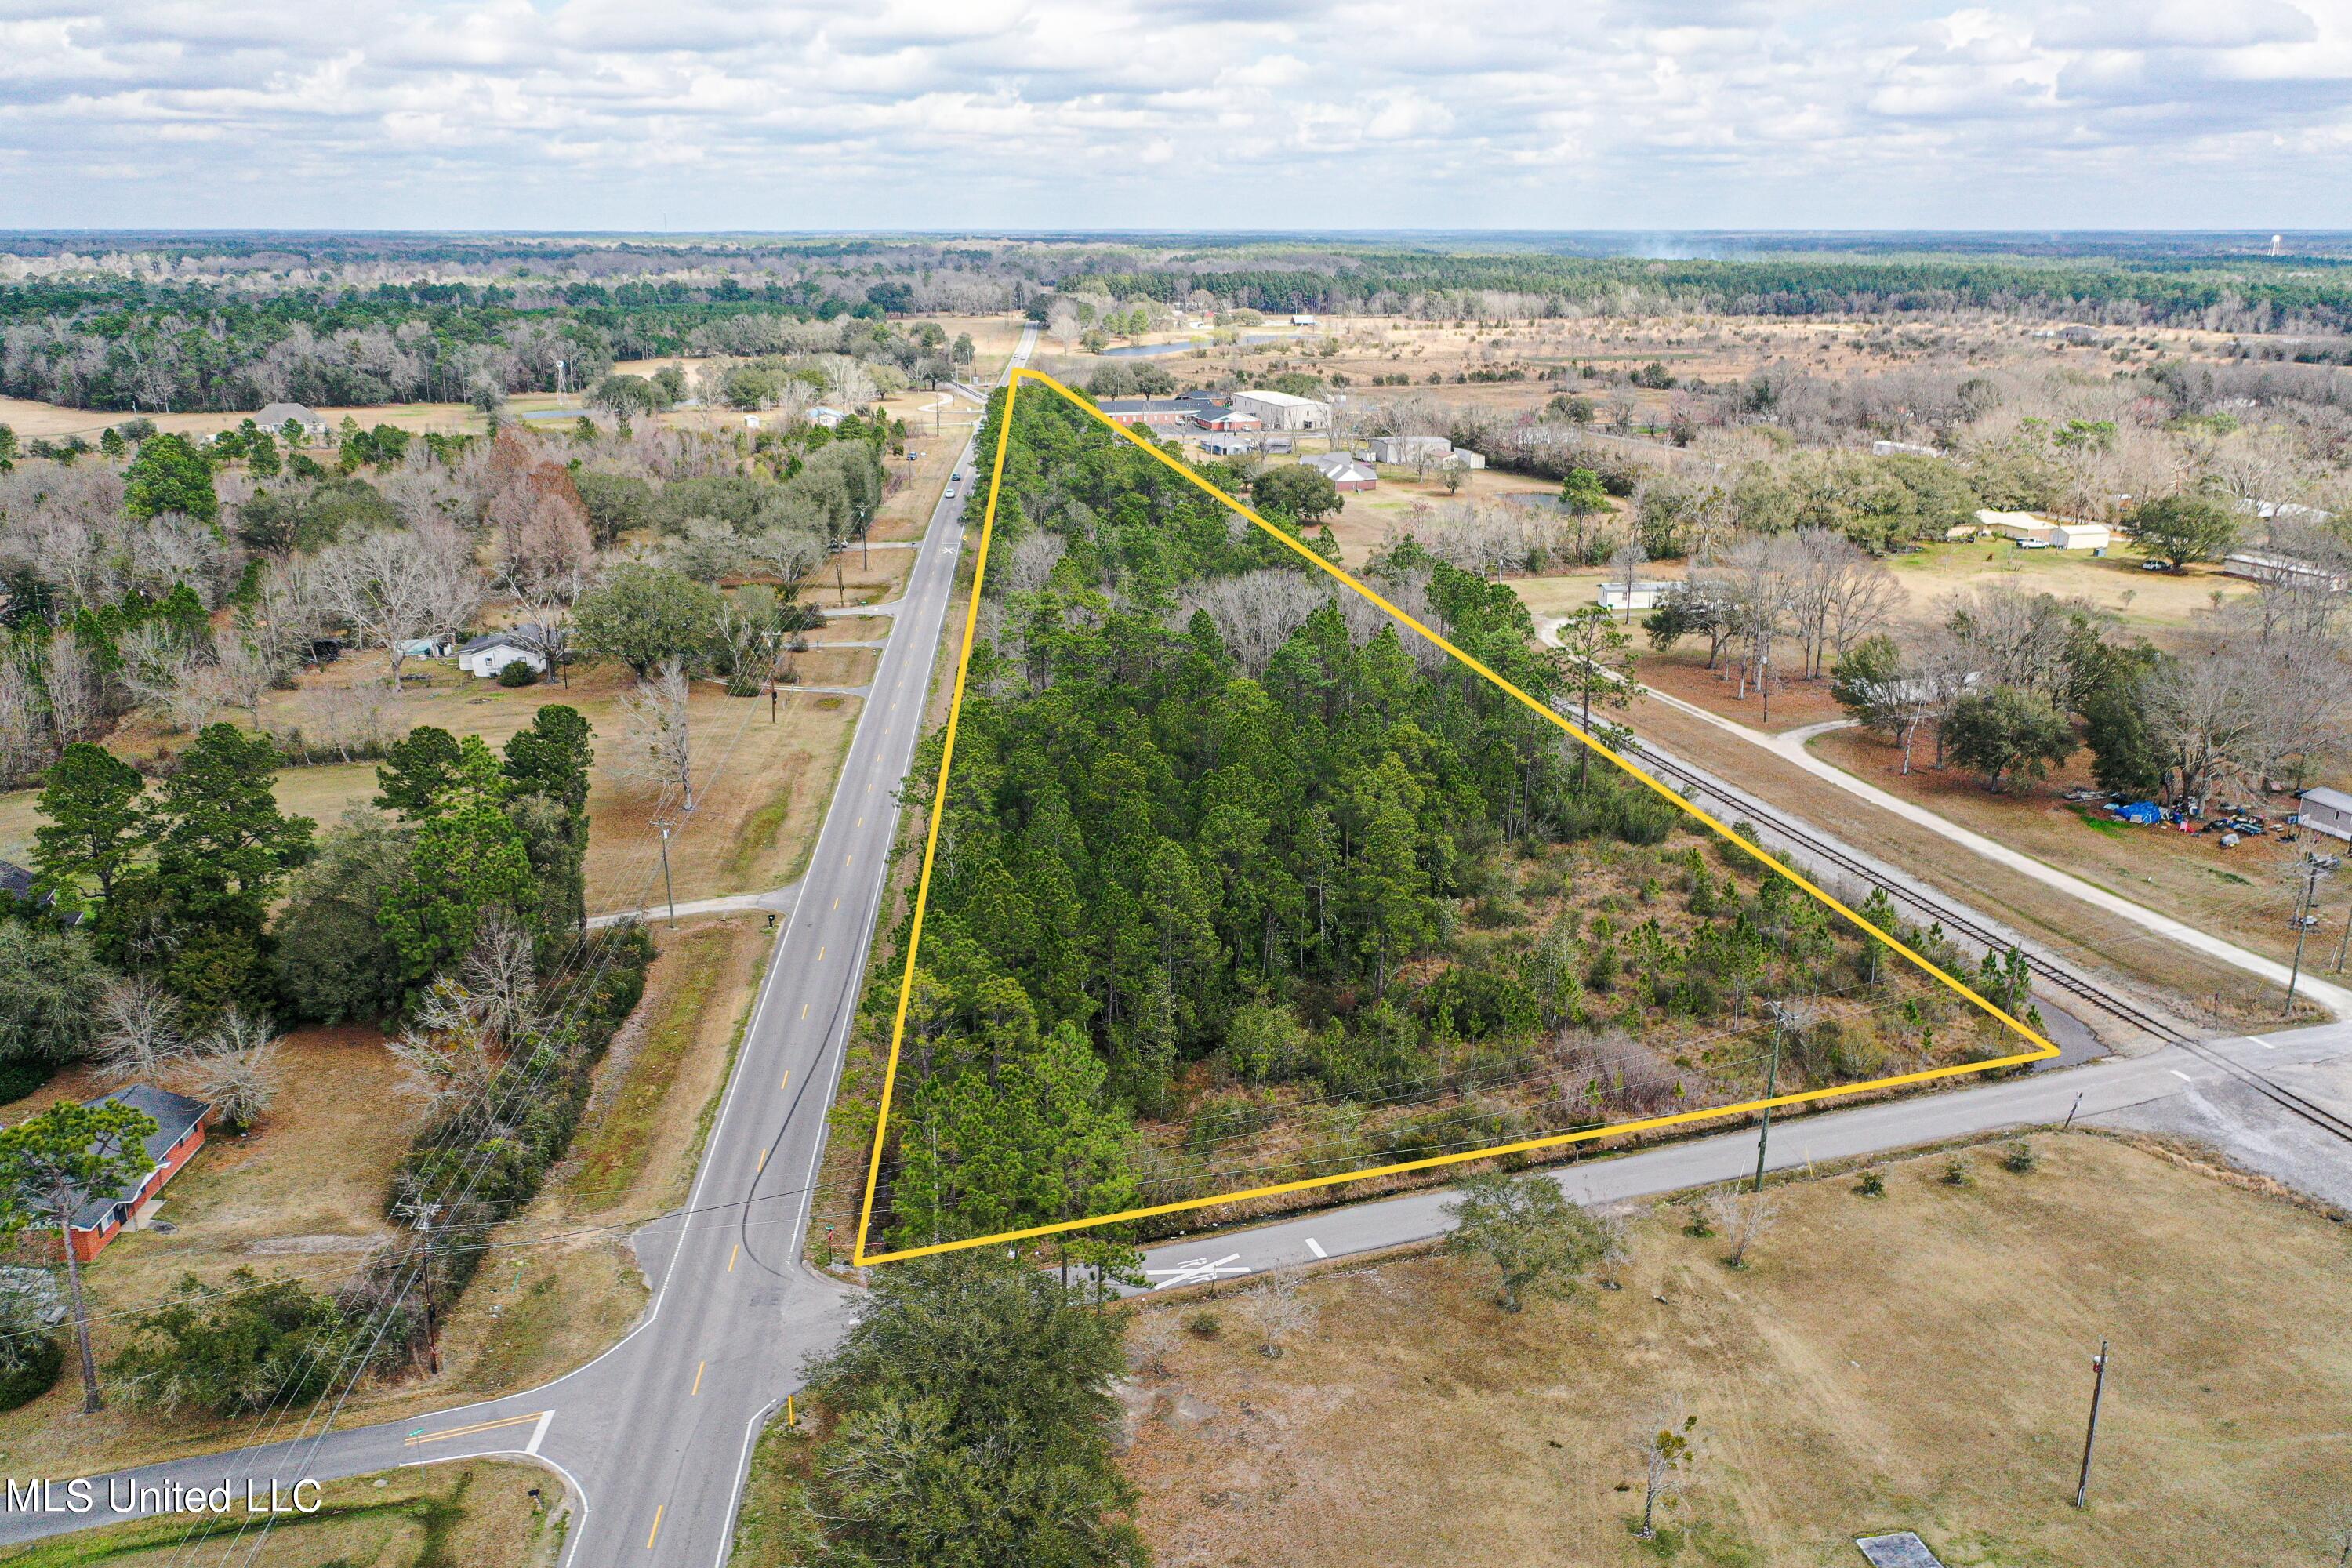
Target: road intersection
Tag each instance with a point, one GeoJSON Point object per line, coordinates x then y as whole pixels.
{"type": "Point", "coordinates": [653, 1436]}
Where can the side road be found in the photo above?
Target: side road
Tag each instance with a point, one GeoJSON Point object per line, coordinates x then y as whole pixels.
{"type": "Point", "coordinates": [653, 1437]}
{"type": "Point", "coordinates": [2124, 1091]}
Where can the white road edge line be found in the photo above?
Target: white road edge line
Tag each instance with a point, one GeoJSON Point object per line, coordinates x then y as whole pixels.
{"type": "Point", "coordinates": [2262, 1042]}
{"type": "Point", "coordinates": [2181, 1076]}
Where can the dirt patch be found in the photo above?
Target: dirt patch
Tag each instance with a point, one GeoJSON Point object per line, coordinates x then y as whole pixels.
{"type": "Point", "coordinates": [1793, 704]}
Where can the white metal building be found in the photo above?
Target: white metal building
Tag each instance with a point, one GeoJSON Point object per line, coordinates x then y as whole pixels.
{"type": "Point", "coordinates": [2016, 525]}
{"type": "Point", "coordinates": [2269, 566]}
{"type": "Point", "coordinates": [1283, 411]}
{"type": "Point", "coordinates": [2080, 536]}
{"type": "Point", "coordinates": [1648, 594]}
{"type": "Point", "coordinates": [1411, 450]}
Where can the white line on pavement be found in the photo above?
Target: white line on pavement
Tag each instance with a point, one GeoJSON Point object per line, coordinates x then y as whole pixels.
{"type": "Point", "coordinates": [538, 1432]}
{"type": "Point", "coordinates": [1199, 1271]}
{"type": "Point", "coordinates": [1316, 1247]}
{"type": "Point", "coordinates": [2181, 1076]}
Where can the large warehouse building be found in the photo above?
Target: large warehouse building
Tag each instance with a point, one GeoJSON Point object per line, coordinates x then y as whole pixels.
{"type": "Point", "coordinates": [1281, 411]}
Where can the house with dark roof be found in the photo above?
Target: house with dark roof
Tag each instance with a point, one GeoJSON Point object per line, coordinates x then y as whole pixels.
{"type": "Point", "coordinates": [179, 1133]}
{"type": "Point", "coordinates": [491, 652]}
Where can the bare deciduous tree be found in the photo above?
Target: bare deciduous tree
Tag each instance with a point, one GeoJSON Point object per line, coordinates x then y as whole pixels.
{"type": "Point", "coordinates": [25, 743]}
{"type": "Point", "coordinates": [75, 692]}
{"type": "Point", "coordinates": [170, 679]}
{"type": "Point", "coordinates": [236, 1068]}
{"type": "Point", "coordinates": [392, 586]}
{"type": "Point", "coordinates": [1149, 1337]}
{"type": "Point", "coordinates": [656, 740]}
{"type": "Point", "coordinates": [140, 1032]}
{"type": "Point", "coordinates": [447, 1053]}
{"type": "Point", "coordinates": [1256, 612]}
{"type": "Point", "coordinates": [500, 977]}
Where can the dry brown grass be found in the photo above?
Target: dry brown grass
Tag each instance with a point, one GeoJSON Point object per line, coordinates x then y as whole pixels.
{"type": "Point", "coordinates": [477, 1513]}
{"type": "Point", "coordinates": [1916, 1362]}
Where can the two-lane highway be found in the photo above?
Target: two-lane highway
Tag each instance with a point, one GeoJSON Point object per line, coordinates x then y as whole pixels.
{"type": "Point", "coordinates": [655, 1434]}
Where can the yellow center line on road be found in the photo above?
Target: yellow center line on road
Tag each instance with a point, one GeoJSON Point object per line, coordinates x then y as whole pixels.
{"type": "Point", "coordinates": [804, 1007]}
{"type": "Point", "coordinates": [764, 1160]}
{"type": "Point", "coordinates": [733, 1255]}
{"type": "Point", "coordinates": [697, 1389]}
{"type": "Point", "coordinates": [657, 1529]}
{"type": "Point", "coordinates": [820, 955]}
{"type": "Point", "coordinates": [416, 1438]}
{"type": "Point", "coordinates": [788, 1079]}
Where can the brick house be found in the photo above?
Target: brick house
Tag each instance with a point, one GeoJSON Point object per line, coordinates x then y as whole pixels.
{"type": "Point", "coordinates": [179, 1133]}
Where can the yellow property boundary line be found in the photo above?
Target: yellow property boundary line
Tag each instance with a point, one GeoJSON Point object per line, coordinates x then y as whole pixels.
{"type": "Point", "coordinates": [2044, 1049]}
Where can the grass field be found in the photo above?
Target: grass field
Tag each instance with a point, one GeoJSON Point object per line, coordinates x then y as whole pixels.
{"type": "Point", "coordinates": [474, 1515]}
{"type": "Point", "coordinates": [1918, 1360]}
{"type": "Point", "coordinates": [765, 784]}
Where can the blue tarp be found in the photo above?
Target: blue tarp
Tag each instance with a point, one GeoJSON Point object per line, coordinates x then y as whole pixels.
{"type": "Point", "coordinates": [2147, 812]}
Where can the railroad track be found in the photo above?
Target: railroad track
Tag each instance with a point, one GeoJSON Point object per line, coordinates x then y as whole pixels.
{"type": "Point", "coordinates": [1958, 919]}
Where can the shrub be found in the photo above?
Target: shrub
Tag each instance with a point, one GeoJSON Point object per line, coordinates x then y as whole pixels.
{"type": "Point", "coordinates": [33, 1374]}
{"type": "Point", "coordinates": [518, 672]}
{"type": "Point", "coordinates": [1871, 1185]}
{"type": "Point", "coordinates": [1203, 1326]}
{"type": "Point", "coordinates": [233, 1353]}
{"type": "Point", "coordinates": [2017, 1157]}
{"type": "Point", "coordinates": [1956, 1172]}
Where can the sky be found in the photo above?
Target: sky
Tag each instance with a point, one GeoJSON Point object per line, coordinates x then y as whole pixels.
{"type": "Point", "coordinates": [685, 115]}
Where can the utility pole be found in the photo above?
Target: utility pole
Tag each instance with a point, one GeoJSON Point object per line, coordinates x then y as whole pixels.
{"type": "Point", "coordinates": [668, 896]}
{"type": "Point", "coordinates": [2091, 1437]}
{"type": "Point", "coordinates": [1771, 1087]}
{"type": "Point", "coordinates": [2306, 898]}
{"type": "Point", "coordinates": [420, 1215]}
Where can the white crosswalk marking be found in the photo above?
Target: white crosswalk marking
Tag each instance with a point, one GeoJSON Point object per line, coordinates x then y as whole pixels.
{"type": "Point", "coordinates": [1199, 1271]}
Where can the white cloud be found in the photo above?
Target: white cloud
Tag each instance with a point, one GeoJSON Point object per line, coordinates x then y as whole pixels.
{"type": "Point", "coordinates": [1014, 113]}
